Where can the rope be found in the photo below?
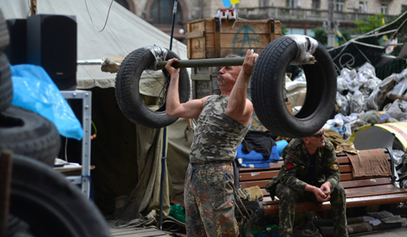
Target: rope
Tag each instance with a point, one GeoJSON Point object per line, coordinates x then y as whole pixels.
{"type": "Point", "coordinates": [107, 17]}
{"type": "Point", "coordinates": [232, 186]}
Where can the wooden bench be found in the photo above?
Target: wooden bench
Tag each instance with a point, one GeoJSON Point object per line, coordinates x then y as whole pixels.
{"type": "Point", "coordinates": [366, 191]}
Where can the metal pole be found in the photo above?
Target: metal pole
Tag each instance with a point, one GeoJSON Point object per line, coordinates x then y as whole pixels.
{"type": "Point", "coordinates": [162, 178]}
{"type": "Point", "coordinates": [5, 183]}
{"type": "Point", "coordinates": [174, 13]}
{"type": "Point", "coordinates": [209, 62]}
{"type": "Point", "coordinates": [330, 30]}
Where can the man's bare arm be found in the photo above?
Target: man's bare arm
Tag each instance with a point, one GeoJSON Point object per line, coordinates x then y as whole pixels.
{"type": "Point", "coordinates": [239, 107]}
{"type": "Point", "coordinates": [189, 109]}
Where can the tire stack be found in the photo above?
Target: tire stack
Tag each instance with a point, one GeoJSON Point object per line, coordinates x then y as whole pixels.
{"type": "Point", "coordinates": [22, 131]}
{"type": "Point", "coordinates": [42, 201]}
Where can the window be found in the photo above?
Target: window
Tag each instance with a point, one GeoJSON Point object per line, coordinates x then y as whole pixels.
{"type": "Point", "coordinates": [384, 9]}
{"type": "Point", "coordinates": [403, 8]}
{"type": "Point", "coordinates": [339, 5]}
{"type": "Point", "coordinates": [263, 3]}
{"type": "Point", "coordinates": [160, 13]}
{"type": "Point", "coordinates": [363, 6]}
{"type": "Point", "coordinates": [291, 3]}
{"type": "Point", "coordinates": [123, 3]}
{"type": "Point", "coordinates": [316, 4]}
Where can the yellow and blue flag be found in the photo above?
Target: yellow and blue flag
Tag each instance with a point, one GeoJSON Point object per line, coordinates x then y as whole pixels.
{"type": "Point", "coordinates": [228, 3]}
{"type": "Point", "coordinates": [336, 41]}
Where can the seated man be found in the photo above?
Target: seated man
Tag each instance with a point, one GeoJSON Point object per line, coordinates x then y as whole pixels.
{"type": "Point", "coordinates": [311, 172]}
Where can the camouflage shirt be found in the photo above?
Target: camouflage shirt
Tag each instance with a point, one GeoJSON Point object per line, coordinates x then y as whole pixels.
{"type": "Point", "coordinates": [216, 135]}
{"type": "Point", "coordinates": [296, 163]}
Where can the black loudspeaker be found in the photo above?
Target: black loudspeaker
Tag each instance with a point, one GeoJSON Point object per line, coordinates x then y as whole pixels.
{"type": "Point", "coordinates": [52, 44]}
{"type": "Point", "coordinates": [16, 51]}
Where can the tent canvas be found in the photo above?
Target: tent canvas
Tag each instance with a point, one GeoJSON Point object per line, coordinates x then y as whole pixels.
{"type": "Point", "coordinates": [127, 157]}
{"type": "Point", "coordinates": [124, 32]}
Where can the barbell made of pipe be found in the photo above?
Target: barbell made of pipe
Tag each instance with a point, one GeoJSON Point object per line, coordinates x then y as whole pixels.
{"type": "Point", "coordinates": [209, 62]}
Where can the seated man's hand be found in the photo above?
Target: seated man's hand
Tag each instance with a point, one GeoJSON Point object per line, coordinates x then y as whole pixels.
{"type": "Point", "coordinates": [320, 195]}
{"type": "Point", "coordinates": [326, 188]}
{"type": "Point", "coordinates": [323, 193]}
{"type": "Point", "coordinates": [319, 192]}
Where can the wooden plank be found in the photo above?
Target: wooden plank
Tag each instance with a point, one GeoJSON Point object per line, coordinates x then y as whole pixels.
{"type": "Point", "coordinates": [345, 168]}
{"type": "Point", "coordinates": [271, 207]}
{"type": "Point", "coordinates": [376, 200]}
{"type": "Point", "coordinates": [237, 41]}
{"type": "Point", "coordinates": [346, 177]}
{"type": "Point", "coordinates": [194, 34]}
{"type": "Point", "coordinates": [217, 44]}
{"type": "Point", "coordinates": [269, 173]}
{"type": "Point", "coordinates": [250, 26]}
{"type": "Point", "coordinates": [257, 175]}
{"type": "Point", "coordinates": [197, 48]}
{"type": "Point", "coordinates": [196, 26]}
{"type": "Point", "coordinates": [376, 190]}
{"type": "Point", "coordinates": [353, 192]}
{"type": "Point", "coordinates": [136, 232]}
{"type": "Point", "coordinates": [346, 180]}
{"type": "Point", "coordinates": [349, 176]}
{"type": "Point", "coordinates": [196, 44]}
{"type": "Point", "coordinates": [260, 183]}
{"type": "Point", "coordinates": [365, 182]}
{"type": "Point", "coordinates": [189, 51]}
{"type": "Point", "coordinates": [239, 51]}
{"type": "Point", "coordinates": [278, 31]}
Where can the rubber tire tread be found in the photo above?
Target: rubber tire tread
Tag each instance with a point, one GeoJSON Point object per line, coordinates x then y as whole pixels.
{"type": "Point", "coordinates": [267, 88]}
{"type": "Point", "coordinates": [4, 34]}
{"type": "Point", "coordinates": [6, 84]}
{"type": "Point", "coordinates": [28, 133]}
{"type": "Point", "coordinates": [50, 204]}
{"type": "Point", "coordinates": [127, 89]}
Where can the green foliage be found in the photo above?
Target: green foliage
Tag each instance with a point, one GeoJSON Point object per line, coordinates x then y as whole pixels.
{"type": "Point", "coordinates": [284, 29]}
{"type": "Point", "coordinates": [321, 35]}
{"type": "Point", "coordinates": [368, 24]}
{"type": "Point", "coordinates": [346, 36]}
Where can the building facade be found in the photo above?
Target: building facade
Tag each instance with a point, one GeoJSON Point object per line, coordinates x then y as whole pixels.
{"type": "Point", "coordinates": [299, 16]}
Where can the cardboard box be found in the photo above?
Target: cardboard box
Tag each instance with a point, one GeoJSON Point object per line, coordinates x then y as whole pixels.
{"type": "Point", "coordinates": [214, 38]}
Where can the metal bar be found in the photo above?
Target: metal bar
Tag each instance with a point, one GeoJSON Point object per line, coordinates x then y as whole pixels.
{"type": "Point", "coordinates": [160, 221]}
{"type": "Point", "coordinates": [174, 13]}
{"type": "Point", "coordinates": [5, 185]}
{"type": "Point", "coordinates": [86, 97]}
{"type": "Point", "coordinates": [209, 62]}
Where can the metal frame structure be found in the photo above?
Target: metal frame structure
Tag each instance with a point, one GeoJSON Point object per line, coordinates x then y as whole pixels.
{"type": "Point", "coordinates": [86, 97]}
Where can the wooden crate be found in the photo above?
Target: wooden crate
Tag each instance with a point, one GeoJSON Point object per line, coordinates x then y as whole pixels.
{"type": "Point", "coordinates": [212, 38]}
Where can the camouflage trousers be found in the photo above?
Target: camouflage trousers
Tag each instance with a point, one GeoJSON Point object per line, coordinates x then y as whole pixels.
{"type": "Point", "coordinates": [288, 198]}
{"type": "Point", "coordinates": [209, 200]}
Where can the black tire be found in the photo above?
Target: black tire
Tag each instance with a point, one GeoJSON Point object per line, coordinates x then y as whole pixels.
{"type": "Point", "coordinates": [4, 35]}
{"type": "Point", "coordinates": [267, 89]}
{"type": "Point", "coordinates": [127, 90]}
{"type": "Point", "coordinates": [50, 205]}
{"type": "Point", "coordinates": [6, 85]}
{"type": "Point", "coordinates": [28, 133]}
